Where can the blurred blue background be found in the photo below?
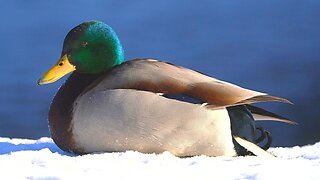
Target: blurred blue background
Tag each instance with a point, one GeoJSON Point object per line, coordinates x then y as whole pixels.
{"type": "Point", "coordinates": [271, 46]}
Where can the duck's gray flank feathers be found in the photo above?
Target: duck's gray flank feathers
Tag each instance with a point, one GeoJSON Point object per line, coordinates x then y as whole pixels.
{"type": "Point", "coordinates": [126, 119]}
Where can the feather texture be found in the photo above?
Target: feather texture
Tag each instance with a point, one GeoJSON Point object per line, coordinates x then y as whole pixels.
{"type": "Point", "coordinates": [161, 77]}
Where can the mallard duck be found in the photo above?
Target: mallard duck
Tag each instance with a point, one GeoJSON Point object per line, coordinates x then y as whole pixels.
{"type": "Point", "coordinates": [146, 105]}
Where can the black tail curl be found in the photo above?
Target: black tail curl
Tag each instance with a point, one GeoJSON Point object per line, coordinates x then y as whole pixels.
{"type": "Point", "coordinates": [264, 135]}
{"type": "Point", "coordinates": [243, 125]}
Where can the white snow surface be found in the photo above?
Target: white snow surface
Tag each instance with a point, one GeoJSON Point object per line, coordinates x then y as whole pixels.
{"type": "Point", "coordinates": [42, 159]}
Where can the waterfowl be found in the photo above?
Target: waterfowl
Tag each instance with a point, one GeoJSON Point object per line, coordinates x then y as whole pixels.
{"type": "Point", "coordinates": [146, 105]}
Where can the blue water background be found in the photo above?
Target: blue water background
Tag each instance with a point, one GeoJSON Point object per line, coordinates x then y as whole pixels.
{"type": "Point", "coordinates": [271, 46]}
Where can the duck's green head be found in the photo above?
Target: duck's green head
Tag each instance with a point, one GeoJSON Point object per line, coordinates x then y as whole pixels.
{"type": "Point", "coordinates": [91, 47]}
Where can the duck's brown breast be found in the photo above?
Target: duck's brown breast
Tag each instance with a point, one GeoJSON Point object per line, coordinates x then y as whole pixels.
{"type": "Point", "coordinates": [60, 113]}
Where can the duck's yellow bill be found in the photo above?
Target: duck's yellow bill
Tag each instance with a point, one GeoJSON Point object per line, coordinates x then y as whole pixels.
{"type": "Point", "coordinates": [60, 69]}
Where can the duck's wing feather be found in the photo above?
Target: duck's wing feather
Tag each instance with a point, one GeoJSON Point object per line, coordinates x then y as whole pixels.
{"type": "Point", "coordinates": [161, 77]}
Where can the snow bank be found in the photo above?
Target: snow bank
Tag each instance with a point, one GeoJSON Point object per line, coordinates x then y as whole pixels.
{"type": "Point", "coordinates": [42, 159]}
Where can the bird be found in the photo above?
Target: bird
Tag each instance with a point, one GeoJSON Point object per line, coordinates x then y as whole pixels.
{"type": "Point", "coordinates": [147, 105]}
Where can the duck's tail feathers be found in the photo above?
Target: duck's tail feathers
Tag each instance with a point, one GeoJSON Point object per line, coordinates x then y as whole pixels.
{"type": "Point", "coordinates": [256, 150]}
{"type": "Point", "coordinates": [260, 114]}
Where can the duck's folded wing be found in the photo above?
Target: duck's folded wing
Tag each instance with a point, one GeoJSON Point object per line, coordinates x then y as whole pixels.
{"type": "Point", "coordinates": [161, 77]}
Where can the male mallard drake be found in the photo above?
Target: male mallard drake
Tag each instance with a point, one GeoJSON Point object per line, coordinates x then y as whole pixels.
{"type": "Point", "coordinates": [146, 105]}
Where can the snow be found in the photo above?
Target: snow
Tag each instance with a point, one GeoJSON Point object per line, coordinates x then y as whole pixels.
{"type": "Point", "coordinates": [42, 159]}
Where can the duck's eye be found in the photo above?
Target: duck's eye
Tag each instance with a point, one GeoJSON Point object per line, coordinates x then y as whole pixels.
{"type": "Point", "coordinates": [84, 43]}
{"type": "Point", "coordinates": [60, 64]}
